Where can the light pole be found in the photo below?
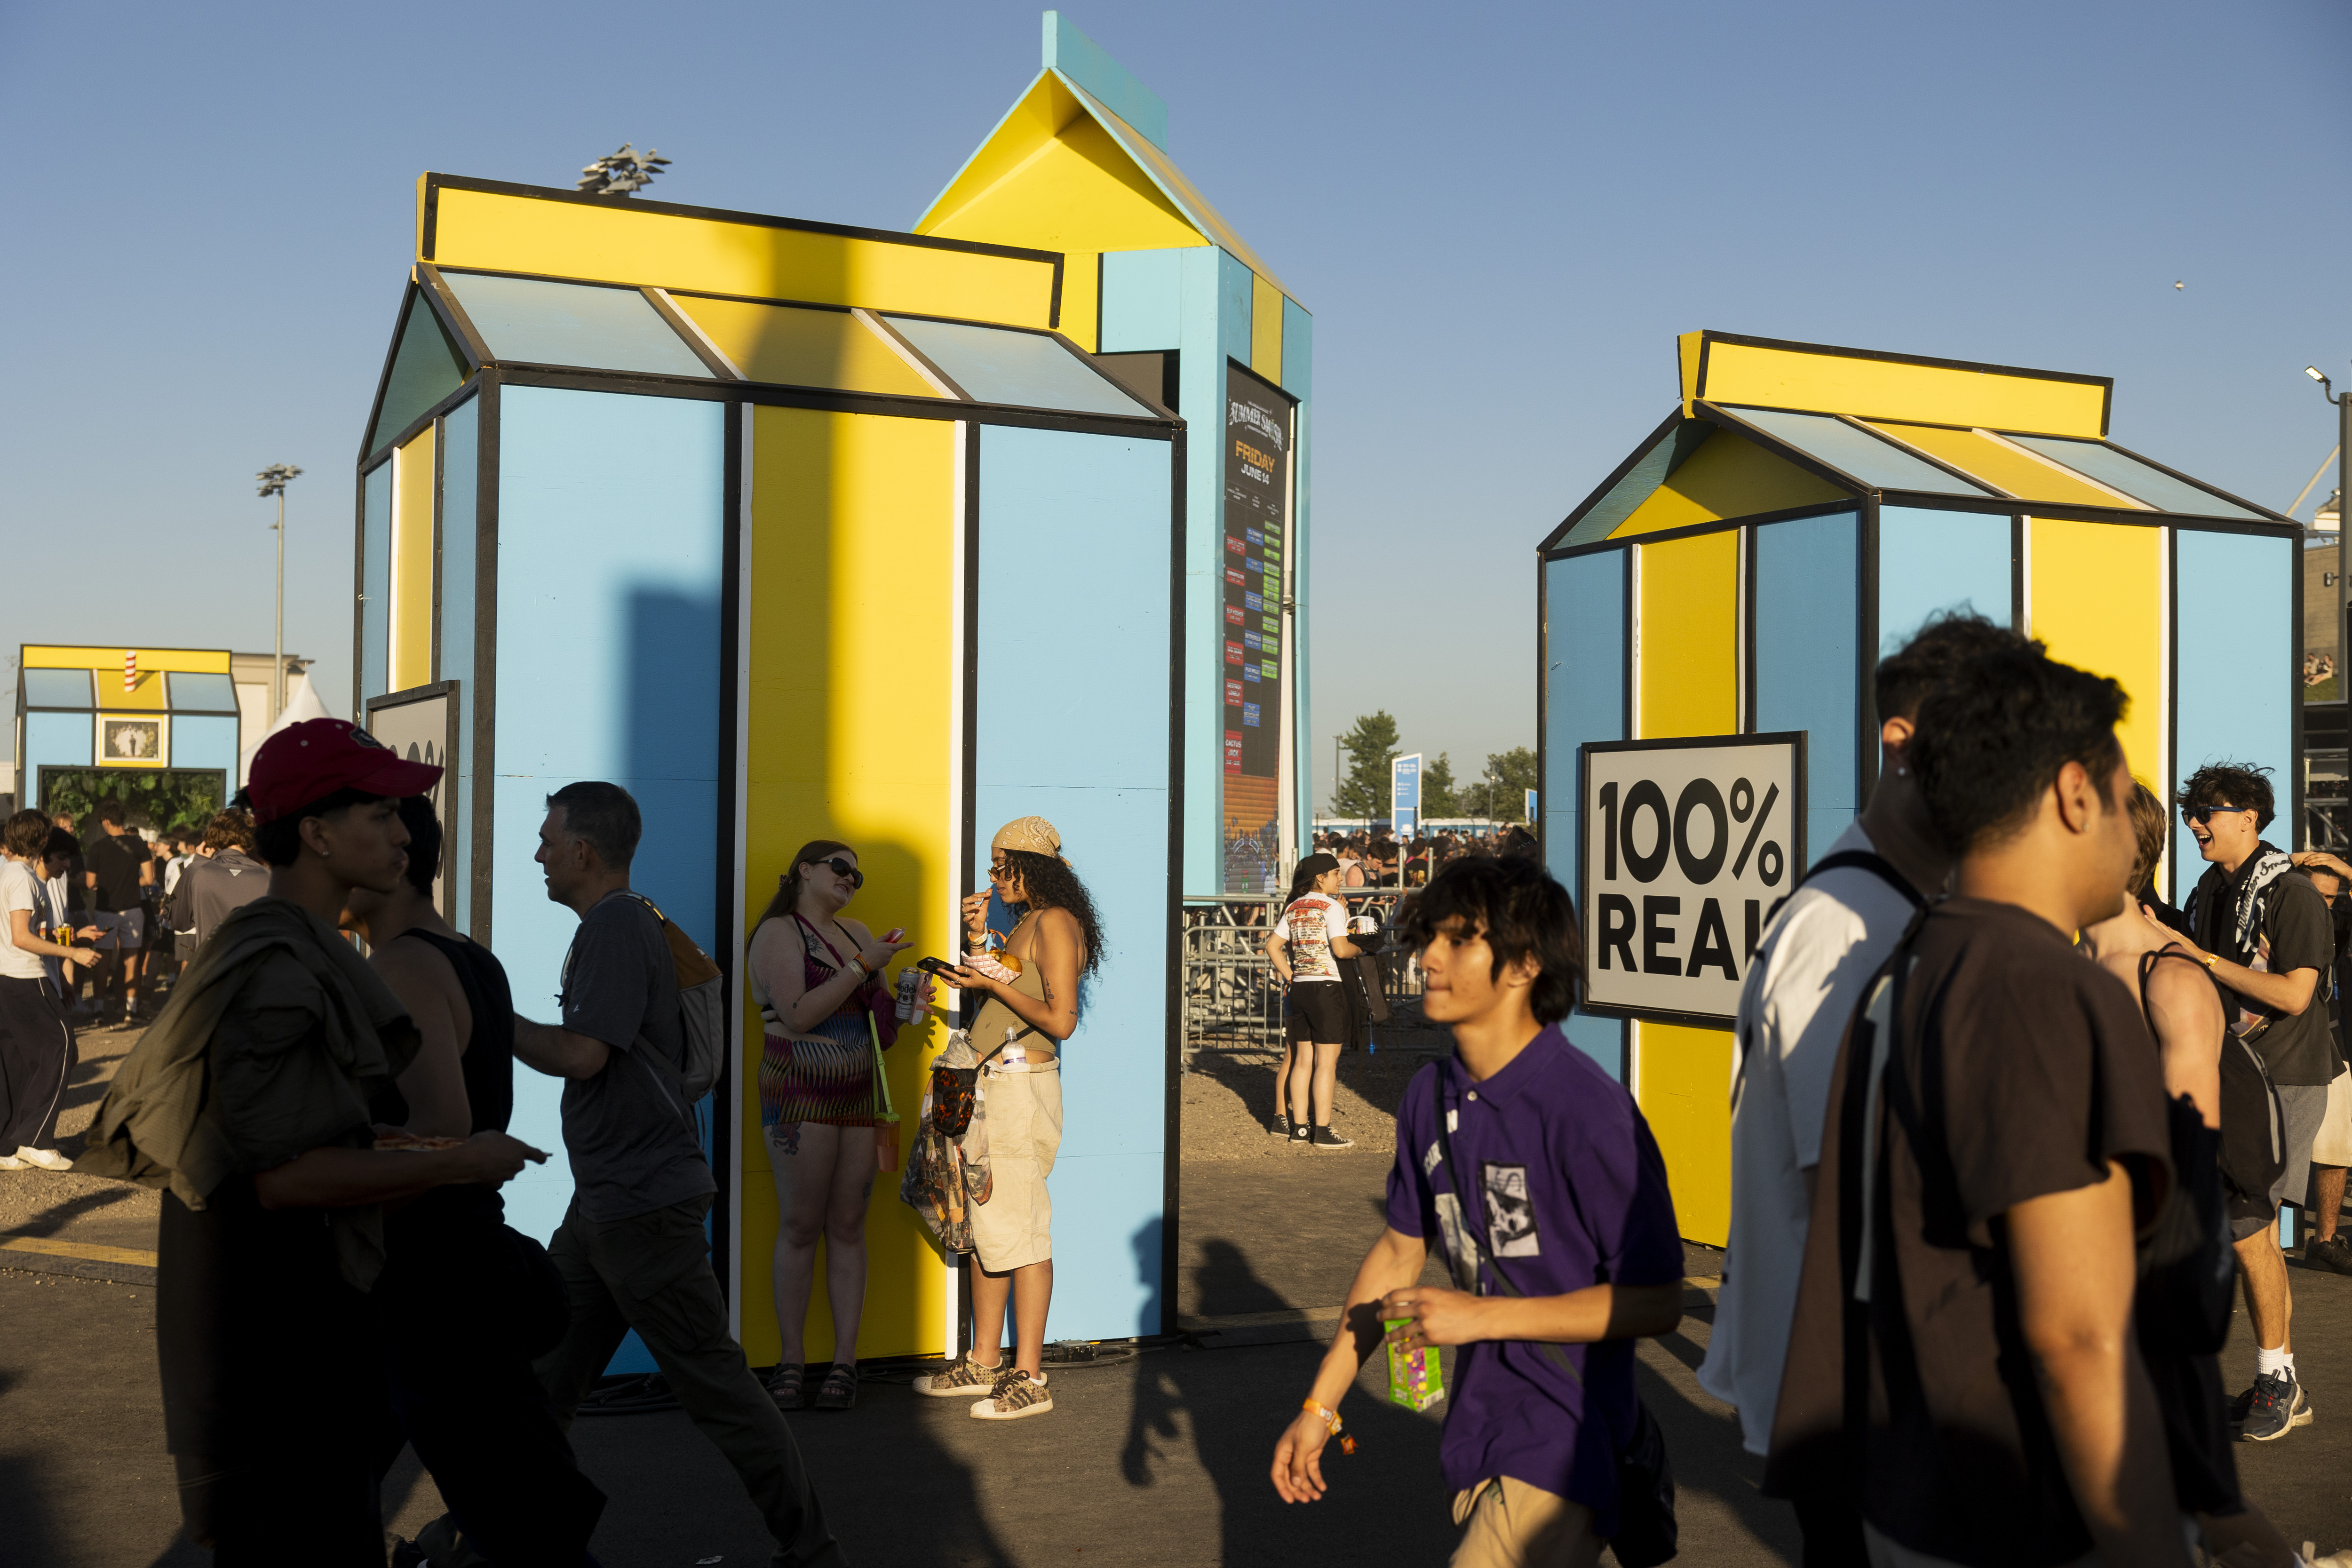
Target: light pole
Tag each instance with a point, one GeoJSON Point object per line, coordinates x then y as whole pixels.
{"type": "Point", "coordinates": [274, 480]}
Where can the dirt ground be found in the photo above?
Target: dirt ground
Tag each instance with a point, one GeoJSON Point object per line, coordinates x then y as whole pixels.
{"type": "Point", "coordinates": [37, 1202]}
{"type": "Point", "coordinates": [1229, 1101]}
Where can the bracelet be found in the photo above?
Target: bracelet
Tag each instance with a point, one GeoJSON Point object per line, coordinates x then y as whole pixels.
{"type": "Point", "coordinates": [1332, 1424]}
{"type": "Point", "coordinates": [863, 973]}
{"type": "Point", "coordinates": [2209, 959]}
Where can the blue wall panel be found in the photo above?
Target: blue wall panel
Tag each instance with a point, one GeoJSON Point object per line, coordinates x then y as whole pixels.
{"type": "Point", "coordinates": [1142, 300]}
{"type": "Point", "coordinates": [610, 520]}
{"type": "Point", "coordinates": [1930, 561]}
{"type": "Point", "coordinates": [375, 585]}
{"type": "Point", "coordinates": [201, 743]}
{"type": "Point", "coordinates": [1807, 608]}
{"type": "Point", "coordinates": [1584, 699]}
{"type": "Point", "coordinates": [460, 489]}
{"type": "Point", "coordinates": [2234, 701]}
{"type": "Point", "coordinates": [59, 740]}
{"type": "Point", "coordinates": [1085, 746]}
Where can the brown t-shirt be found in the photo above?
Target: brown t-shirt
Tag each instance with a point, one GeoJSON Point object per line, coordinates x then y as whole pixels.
{"type": "Point", "coordinates": [2019, 1068]}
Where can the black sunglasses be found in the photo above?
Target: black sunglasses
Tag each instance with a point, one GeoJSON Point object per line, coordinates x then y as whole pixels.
{"type": "Point", "coordinates": [2205, 813]}
{"type": "Point", "coordinates": [842, 867]}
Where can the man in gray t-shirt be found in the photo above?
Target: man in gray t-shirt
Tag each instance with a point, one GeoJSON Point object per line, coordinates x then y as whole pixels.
{"type": "Point", "coordinates": [632, 1250]}
{"type": "Point", "coordinates": [626, 1128]}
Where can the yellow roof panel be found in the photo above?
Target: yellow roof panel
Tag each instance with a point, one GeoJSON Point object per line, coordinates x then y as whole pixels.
{"type": "Point", "coordinates": [2001, 464]}
{"type": "Point", "coordinates": [1867, 384]}
{"type": "Point", "coordinates": [194, 660]}
{"type": "Point", "coordinates": [796, 347]}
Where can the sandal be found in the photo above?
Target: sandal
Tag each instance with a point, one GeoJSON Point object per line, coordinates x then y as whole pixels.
{"type": "Point", "coordinates": [839, 1390]}
{"type": "Point", "coordinates": [784, 1385]}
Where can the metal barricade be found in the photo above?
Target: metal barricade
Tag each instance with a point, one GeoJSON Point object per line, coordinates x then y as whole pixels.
{"type": "Point", "coordinates": [1233, 998]}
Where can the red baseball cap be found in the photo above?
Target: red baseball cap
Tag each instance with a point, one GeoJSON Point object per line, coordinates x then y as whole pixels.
{"type": "Point", "coordinates": [307, 761]}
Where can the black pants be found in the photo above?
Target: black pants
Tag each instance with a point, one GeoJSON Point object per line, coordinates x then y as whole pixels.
{"type": "Point", "coordinates": [652, 1273]}
{"type": "Point", "coordinates": [454, 1331]}
{"type": "Point", "coordinates": [37, 1053]}
{"type": "Point", "coordinates": [1832, 1534]}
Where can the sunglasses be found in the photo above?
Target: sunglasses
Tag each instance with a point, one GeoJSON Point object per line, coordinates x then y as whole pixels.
{"type": "Point", "coordinates": [842, 867]}
{"type": "Point", "coordinates": [1000, 873]}
{"type": "Point", "coordinates": [2201, 814]}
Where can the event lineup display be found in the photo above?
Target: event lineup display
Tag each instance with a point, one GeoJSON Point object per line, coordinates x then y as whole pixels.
{"type": "Point", "coordinates": [1259, 427]}
{"type": "Point", "coordinates": [1688, 844]}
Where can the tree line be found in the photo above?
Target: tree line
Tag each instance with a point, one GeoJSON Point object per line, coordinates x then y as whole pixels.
{"type": "Point", "coordinates": [1499, 796]}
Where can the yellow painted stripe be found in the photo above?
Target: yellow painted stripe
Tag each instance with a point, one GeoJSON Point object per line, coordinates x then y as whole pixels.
{"type": "Point", "coordinates": [2020, 473]}
{"type": "Point", "coordinates": [1266, 330]}
{"type": "Point", "coordinates": [94, 1253]}
{"type": "Point", "coordinates": [194, 660]}
{"type": "Point", "coordinates": [1728, 476]}
{"type": "Point", "coordinates": [1684, 1088]}
{"type": "Point", "coordinates": [411, 614]}
{"type": "Point", "coordinates": [1833, 382]}
{"type": "Point", "coordinates": [1689, 635]}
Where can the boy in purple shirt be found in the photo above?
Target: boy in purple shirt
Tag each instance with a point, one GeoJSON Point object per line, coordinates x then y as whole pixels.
{"type": "Point", "coordinates": [1552, 1179]}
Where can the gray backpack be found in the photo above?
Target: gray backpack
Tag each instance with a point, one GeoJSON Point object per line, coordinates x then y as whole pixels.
{"type": "Point", "coordinates": [701, 1006]}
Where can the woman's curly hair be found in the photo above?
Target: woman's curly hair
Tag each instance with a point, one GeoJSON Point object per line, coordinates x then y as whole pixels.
{"type": "Point", "coordinates": [1048, 883]}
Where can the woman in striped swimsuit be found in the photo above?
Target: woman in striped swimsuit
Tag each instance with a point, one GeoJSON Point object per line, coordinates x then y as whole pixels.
{"type": "Point", "coordinates": [818, 980]}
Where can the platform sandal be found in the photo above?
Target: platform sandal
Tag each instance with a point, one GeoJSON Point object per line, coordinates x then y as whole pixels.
{"type": "Point", "coordinates": [839, 1389]}
{"type": "Point", "coordinates": [786, 1386]}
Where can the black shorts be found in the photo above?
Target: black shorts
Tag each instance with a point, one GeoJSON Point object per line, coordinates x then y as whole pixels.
{"type": "Point", "coordinates": [1318, 1013]}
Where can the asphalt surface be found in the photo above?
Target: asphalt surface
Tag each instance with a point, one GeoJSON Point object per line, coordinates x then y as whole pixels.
{"type": "Point", "coordinates": [1159, 1460]}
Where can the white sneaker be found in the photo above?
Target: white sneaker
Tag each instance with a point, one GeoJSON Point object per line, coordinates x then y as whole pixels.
{"type": "Point", "coordinates": [46, 1159]}
{"type": "Point", "coordinates": [10, 1162]}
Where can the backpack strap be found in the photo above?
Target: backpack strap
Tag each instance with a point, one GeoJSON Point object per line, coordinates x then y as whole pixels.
{"type": "Point", "coordinates": [1868, 860]}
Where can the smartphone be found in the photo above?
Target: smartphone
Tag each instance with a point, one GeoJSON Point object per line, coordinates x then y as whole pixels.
{"type": "Point", "coordinates": [934, 967]}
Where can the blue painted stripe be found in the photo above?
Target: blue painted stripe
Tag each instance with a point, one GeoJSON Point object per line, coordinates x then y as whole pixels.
{"type": "Point", "coordinates": [2235, 643]}
{"type": "Point", "coordinates": [1930, 561]}
{"type": "Point", "coordinates": [200, 741]}
{"type": "Point", "coordinates": [1142, 300]}
{"type": "Point", "coordinates": [375, 583]}
{"type": "Point", "coordinates": [1807, 603]}
{"type": "Point", "coordinates": [461, 476]}
{"type": "Point", "coordinates": [1584, 699]}
{"type": "Point", "coordinates": [1082, 744]}
{"type": "Point", "coordinates": [57, 740]}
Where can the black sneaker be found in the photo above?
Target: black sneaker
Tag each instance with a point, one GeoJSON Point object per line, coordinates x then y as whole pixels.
{"type": "Point", "coordinates": [2335, 1255]}
{"type": "Point", "coordinates": [1324, 1138]}
{"type": "Point", "coordinates": [1300, 1134]}
{"type": "Point", "coordinates": [1279, 1127]}
{"type": "Point", "coordinates": [2279, 1406]}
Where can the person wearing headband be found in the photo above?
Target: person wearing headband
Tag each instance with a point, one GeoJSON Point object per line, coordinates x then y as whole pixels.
{"type": "Point", "coordinates": [1023, 1024]}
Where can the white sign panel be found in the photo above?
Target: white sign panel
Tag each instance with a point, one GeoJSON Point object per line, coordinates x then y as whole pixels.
{"type": "Point", "coordinates": [1687, 843]}
{"type": "Point", "coordinates": [421, 724]}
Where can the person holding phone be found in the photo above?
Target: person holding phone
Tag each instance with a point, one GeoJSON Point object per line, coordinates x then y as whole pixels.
{"type": "Point", "coordinates": [824, 1009]}
{"type": "Point", "coordinates": [1023, 1024]}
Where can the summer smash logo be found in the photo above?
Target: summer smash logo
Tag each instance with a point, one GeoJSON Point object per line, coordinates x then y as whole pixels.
{"type": "Point", "coordinates": [1256, 418]}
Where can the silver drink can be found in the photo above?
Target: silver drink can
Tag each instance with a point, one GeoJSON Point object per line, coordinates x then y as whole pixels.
{"type": "Point", "coordinates": [910, 979]}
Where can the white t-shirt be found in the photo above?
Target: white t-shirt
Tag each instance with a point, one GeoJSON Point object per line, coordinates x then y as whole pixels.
{"type": "Point", "coordinates": [1308, 925]}
{"type": "Point", "coordinates": [1817, 954]}
{"type": "Point", "coordinates": [19, 890]}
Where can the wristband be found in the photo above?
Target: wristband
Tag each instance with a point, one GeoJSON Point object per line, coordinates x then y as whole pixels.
{"type": "Point", "coordinates": [2209, 959]}
{"type": "Point", "coordinates": [859, 963]}
{"type": "Point", "coordinates": [1332, 1424]}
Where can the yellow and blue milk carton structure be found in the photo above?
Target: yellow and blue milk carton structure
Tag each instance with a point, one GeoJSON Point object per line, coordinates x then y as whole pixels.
{"type": "Point", "coordinates": [795, 531]}
{"type": "Point", "coordinates": [1730, 589]}
{"type": "Point", "coordinates": [1179, 306]}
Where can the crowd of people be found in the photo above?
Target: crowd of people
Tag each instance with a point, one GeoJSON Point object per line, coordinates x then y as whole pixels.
{"type": "Point", "coordinates": [1378, 858]}
{"type": "Point", "coordinates": [2008, 1134]}
{"type": "Point", "coordinates": [327, 1120]}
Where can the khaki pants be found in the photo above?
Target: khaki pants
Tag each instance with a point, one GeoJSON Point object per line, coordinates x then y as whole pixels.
{"type": "Point", "coordinates": [1507, 1523]}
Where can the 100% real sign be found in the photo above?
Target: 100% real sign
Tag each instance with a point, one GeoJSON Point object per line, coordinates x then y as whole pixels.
{"type": "Point", "coordinates": [1688, 846]}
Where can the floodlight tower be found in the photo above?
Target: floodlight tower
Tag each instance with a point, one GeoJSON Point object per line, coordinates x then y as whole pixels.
{"type": "Point", "coordinates": [274, 480]}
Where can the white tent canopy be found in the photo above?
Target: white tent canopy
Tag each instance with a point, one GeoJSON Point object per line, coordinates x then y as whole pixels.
{"type": "Point", "coordinates": [302, 703]}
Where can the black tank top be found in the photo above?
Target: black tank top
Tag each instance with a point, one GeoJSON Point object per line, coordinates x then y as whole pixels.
{"type": "Point", "coordinates": [487, 1057]}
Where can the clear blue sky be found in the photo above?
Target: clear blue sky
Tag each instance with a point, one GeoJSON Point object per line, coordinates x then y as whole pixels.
{"type": "Point", "coordinates": [1499, 216]}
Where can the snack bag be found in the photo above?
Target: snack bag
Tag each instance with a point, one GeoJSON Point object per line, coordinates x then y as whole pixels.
{"type": "Point", "coordinates": [1416, 1377]}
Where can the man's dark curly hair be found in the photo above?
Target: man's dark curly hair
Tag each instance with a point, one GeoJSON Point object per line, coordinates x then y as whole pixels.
{"type": "Point", "coordinates": [1942, 644]}
{"type": "Point", "coordinates": [1996, 731]}
{"type": "Point", "coordinates": [1522, 912]}
{"type": "Point", "coordinates": [1048, 883]}
{"type": "Point", "coordinates": [2239, 784]}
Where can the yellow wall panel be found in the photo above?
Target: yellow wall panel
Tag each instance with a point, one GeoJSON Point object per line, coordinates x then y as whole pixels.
{"type": "Point", "coordinates": [640, 246]}
{"type": "Point", "coordinates": [1833, 382]}
{"type": "Point", "coordinates": [1682, 1081]}
{"type": "Point", "coordinates": [1728, 476]}
{"type": "Point", "coordinates": [2094, 593]}
{"type": "Point", "coordinates": [196, 661]}
{"type": "Point", "coordinates": [2017, 472]}
{"type": "Point", "coordinates": [852, 553]}
{"type": "Point", "coordinates": [1082, 299]}
{"type": "Point", "coordinates": [410, 615]}
{"type": "Point", "coordinates": [1076, 189]}
{"type": "Point", "coordinates": [1266, 330]}
{"type": "Point", "coordinates": [1687, 638]}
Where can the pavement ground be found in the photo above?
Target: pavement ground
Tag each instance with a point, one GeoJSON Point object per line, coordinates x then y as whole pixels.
{"type": "Point", "coordinates": [1158, 1460]}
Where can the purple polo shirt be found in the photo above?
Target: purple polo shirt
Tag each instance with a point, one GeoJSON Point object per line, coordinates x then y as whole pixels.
{"type": "Point", "coordinates": [1569, 1192]}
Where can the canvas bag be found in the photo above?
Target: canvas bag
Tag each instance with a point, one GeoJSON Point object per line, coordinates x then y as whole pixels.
{"type": "Point", "coordinates": [701, 1006]}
